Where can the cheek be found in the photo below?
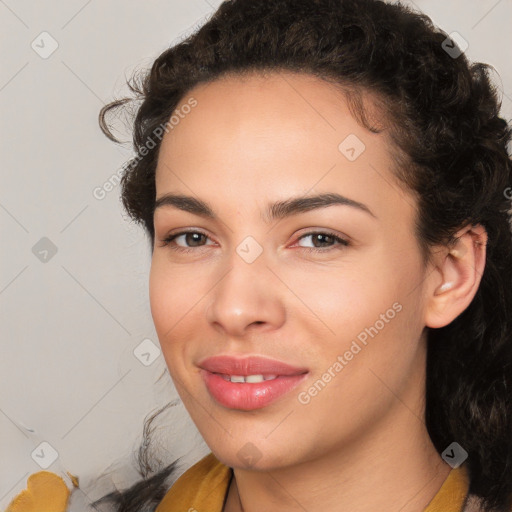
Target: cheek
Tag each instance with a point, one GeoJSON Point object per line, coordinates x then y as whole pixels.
{"type": "Point", "coordinates": [169, 296]}
{"type": "Point", "coordinates": [175, 294]}
{"type": "Point", "coordinates": [361, 370]}
{"type": "Point", "coordinates": [368, 315]}
{"type": "Point", "coordinates": [161, 295]}
{"type": "Point", "coordinates": [340, 301]}
{"type": "Point", "coordinates": [172, 294]}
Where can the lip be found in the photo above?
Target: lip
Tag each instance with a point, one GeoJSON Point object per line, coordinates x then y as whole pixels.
{"type": "Point", "coordinates": [252, 365]}
{"type": "Point", "coordinates": [249, 395]}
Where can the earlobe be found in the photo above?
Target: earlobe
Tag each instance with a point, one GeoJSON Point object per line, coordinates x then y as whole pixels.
{"type": "Point", "coordinates": [459, 272]}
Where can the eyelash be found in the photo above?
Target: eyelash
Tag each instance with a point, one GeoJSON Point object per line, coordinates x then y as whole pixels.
{"type": "Point", "coordinates": [166, 242]}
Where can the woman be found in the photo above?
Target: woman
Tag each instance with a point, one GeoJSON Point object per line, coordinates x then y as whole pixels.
{"type": "Point", "coordinates": [326, 187]}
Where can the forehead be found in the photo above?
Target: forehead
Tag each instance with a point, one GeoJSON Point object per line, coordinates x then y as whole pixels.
{"type": "Point", "coordinates": [283, 109]}
{"type": "Point", "coordinates": [270, 134]}
{"type": "Point", "coordinates": [279, 94]}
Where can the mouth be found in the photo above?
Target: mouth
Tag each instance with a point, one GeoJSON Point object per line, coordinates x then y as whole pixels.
{"type": "Point", "coordinates": [249, 366]}
{"type": "Point", "coordinates": [238, 392]}
{"type": "Point", "coordinates": [249, 383]}
{"type": "Point", "coordinates": [247, 378]}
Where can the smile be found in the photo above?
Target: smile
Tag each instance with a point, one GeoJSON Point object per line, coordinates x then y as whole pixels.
{"type": "Point", "coordinates": [251, 391]}
{"type": "Point", "coordinates": [247, 378]}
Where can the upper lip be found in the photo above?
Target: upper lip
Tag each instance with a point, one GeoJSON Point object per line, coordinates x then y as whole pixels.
{"type": "Point", "coordinates": [252, 365]}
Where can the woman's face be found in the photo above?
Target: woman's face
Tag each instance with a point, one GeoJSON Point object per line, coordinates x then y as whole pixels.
{"type": "Point", "coordinates": [348, 318]}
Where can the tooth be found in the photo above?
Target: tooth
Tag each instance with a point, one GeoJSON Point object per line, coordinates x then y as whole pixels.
{"type": "Point", "coordinates": [248, 378]}
{"type": "Point", "coordinates": [254, 378]}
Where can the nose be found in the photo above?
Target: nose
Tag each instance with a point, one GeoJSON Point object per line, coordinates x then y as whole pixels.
{"type": "Point", "coordinates": [248, 296]}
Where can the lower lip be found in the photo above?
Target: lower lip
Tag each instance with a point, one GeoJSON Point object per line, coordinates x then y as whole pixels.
{"type": "Point", "coordinates": [249, 395]}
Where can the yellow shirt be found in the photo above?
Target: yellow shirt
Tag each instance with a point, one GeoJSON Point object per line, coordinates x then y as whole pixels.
{"type": "Point", "coordinates": [204, 486]}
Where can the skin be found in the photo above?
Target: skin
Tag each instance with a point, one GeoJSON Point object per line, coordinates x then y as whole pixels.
{"type": "Point", "coordinates": [361, 442]}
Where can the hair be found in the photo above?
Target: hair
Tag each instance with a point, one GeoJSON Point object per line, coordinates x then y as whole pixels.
{"type": "Point", "coordinates": [442, 114]}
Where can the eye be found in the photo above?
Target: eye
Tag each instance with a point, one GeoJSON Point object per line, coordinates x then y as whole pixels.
{"type": "Point", "coordinates": [323, 237]}
{"type": "Point", "coordinates": [194, 238]}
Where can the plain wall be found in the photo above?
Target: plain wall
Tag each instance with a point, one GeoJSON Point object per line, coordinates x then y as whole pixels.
{"type": "Point", "coordinates": [70, 321]}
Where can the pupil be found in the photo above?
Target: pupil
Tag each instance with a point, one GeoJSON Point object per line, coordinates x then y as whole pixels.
{"type": "Point", "coordinates": [194, 237]}
{"type": "Point", "coordinates": [319, 236]}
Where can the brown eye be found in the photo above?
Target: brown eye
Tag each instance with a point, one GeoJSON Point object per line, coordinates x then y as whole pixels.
{"type": "Point", "coordinates": [320, 238]}
{"type": "Point", "coordinates": [189, 240]}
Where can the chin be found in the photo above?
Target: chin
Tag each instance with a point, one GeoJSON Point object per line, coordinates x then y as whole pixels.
{"type": "Point", "coordinates": [247, 455]}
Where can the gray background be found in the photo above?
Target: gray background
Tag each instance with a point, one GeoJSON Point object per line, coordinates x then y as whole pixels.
{"type": "Point", "coordinates": [70, 321]}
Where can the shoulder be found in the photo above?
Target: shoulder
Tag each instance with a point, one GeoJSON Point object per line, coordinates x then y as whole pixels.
{"type": "Point", "coordinates": [203, 487]}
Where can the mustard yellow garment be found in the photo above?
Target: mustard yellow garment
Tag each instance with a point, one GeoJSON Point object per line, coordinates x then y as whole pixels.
{"type": "Point", "coordinates": [45, 492]}
{"type": "Point", "coordinates": [204, 486]}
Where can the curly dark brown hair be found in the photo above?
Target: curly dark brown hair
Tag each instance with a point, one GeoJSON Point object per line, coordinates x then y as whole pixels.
{"type": "Point", "coordinates": [442, 113]}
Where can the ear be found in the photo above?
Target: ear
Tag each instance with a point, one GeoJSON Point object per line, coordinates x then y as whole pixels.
{"type": "Point", "coordinates": [458, 270]}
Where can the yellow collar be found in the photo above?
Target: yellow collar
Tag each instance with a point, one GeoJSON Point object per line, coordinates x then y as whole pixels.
{"type": "Point", "coordinates": [452, 494]}
{"type": "Point", "coordinates": [204, 486]}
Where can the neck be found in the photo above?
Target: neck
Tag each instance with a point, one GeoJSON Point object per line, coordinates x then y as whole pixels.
{"type": "Point", "coordinates": [405, 480]}
{"type": "Point", "coordinates": [392, 466]}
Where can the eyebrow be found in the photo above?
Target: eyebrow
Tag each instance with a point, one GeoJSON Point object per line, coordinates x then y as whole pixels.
{"type": "Point", "coordinates": [275, 211]}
